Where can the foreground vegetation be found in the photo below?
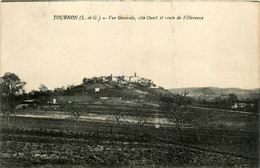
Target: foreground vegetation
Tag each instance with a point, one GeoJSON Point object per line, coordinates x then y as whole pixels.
{"type": "Point", "coordinates": [30, 141]}
{"type": "Point", "coordinates": [59, 142]}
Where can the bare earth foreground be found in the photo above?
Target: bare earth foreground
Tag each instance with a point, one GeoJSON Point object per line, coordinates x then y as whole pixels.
{"type": "Point", "coordinates": [39, 141]}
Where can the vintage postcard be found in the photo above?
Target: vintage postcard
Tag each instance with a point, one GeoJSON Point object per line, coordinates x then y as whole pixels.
{"type": "Point", "coordinates": [129, 84]}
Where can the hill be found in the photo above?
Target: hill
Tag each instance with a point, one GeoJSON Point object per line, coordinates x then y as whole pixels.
{"type": "Point", "coordinates": [107, 88]}
{"type": "Point", "coordinates": [212, 92]}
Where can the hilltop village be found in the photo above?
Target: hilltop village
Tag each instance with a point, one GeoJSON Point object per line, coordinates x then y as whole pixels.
{"type": "Point", "coordinates": [105, 87]}
{"type": "Point", "coordinates": [120, 80]}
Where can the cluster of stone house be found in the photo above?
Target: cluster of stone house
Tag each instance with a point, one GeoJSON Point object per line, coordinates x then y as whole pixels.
{"type": "Point", "coordinates": [127, 79]}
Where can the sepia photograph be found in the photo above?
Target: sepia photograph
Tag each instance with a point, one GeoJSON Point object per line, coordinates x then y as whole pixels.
{"type": "Point", "coordinates": [129, 84]}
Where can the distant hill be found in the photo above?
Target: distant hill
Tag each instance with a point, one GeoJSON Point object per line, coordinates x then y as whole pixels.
{"type": "Point", "coordinates": [212, 92]}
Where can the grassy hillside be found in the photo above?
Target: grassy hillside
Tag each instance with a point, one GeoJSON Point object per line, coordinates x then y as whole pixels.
{"type": "Point", "coordinates": [110, 90]}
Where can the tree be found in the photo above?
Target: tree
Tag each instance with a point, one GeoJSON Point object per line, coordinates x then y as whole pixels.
{"type": "Point", "coordinates": [70, 87]}
{"type": "Point", "coordinates": [85, 81]}
{"type": "Point", "coordinates": [198, 123]}
{"type": "Point", "coordinates": [43, 88]}
{"type": "Point", "coordinates": [43, 96]}
{"type": "Point", "coordinates": [232, 98]}
{"type": "Point", "coordinates": [176, 109]}
{"type": "Point", "coordinates": [222, 125]}
{"type": "Point", "coordinates": [59, 91]}
{"type": "Point", "coordinates": [76, 113]}
{"type": "Point", "coordinates": [10, 86]}
{"type": "Point", "coordinates": [140, 118]}
{"type": "Point", "coordinates": [113, 119]}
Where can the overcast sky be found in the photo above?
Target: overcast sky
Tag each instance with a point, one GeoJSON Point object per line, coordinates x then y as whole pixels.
{"type": "Point", "coordinates": [222, 50]}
